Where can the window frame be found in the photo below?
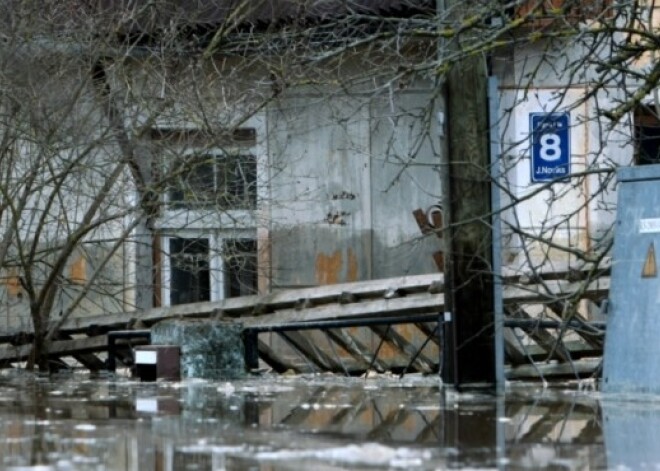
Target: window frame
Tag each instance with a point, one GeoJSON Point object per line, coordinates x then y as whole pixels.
{"type": "Point", "coordinates": [218, 266]}
{"type": "Point", "coordinates": [249, 197]}
{"type": "Point", "coordinates": [207, 221]}
{"type": "Point", "coordinates": [644, 119]}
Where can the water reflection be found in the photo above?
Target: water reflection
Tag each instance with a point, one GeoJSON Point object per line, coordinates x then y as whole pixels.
{"type": "Point", "coordinates": [273, 424]}
{"type": "Point", "coordinates": [632, 432]}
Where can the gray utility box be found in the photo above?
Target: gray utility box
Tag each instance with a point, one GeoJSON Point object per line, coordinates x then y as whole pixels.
{"type": "Point", "coordinates": [154, 362]}
{"type": "Point", "coordinates": [631, 362]}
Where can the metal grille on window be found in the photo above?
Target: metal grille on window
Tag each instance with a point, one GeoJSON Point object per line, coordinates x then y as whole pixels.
{"type": "Point", "coordinates": [222, 181]}
{"type": "Point", "coordinates": [647, 136]}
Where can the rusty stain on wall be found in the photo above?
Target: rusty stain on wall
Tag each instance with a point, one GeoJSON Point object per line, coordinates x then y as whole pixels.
{"type": "Point", "coordinates": [13, 284]}
{"type": "Point", "coordinates": [332, 268]}
{"type": "Point", "coordinates": [387, 352]}
{"type": "Point", "coordinates": [352, 272]}
{"type": "Point", "coordinates": [78, 271]}
{"type": "Point", "coordinates": [328, 268]}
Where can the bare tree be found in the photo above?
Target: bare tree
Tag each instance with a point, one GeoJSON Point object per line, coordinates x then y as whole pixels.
{"type": "Point", "coordinates": [138, 140]}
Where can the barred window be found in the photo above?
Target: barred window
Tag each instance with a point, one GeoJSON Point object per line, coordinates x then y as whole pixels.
{"type": "Point", "coordinates": [215, 180]}
{"type": "Point", "coordinates": [647, 135]}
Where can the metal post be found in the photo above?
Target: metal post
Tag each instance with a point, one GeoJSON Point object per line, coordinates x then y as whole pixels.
{"type": "Point", "coordinates": [448, 366]}
{"type": "Point", "coordinates": [112, 360]}
{"type": "Point", "coordinates": [250, 341]}
{"type": "Point", "coordinates": [122, 334]}
{"type": "Point", "coordinates": [498, 305]}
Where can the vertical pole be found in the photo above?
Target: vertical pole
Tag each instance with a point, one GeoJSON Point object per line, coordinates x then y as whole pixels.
{"type": "Point", "coordinates": [112, 359]}
{"type": "Point", "coordinates": [498, 306]}
{"type": "Point", "coordinates": [446, 329]}
{"type": "Point", "coordinates": [250, 341]}
{"type": "Point", "coordinates": [469, 209]}
{"type": "Point", "coordinates": [144, 267]}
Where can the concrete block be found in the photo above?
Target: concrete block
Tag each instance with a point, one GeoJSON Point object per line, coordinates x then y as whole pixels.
{"type": "Point", "coordinates": [209, 349]}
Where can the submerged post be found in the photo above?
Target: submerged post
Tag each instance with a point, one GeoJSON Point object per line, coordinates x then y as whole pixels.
{"type": "Point", "coordinates": [470, 271]}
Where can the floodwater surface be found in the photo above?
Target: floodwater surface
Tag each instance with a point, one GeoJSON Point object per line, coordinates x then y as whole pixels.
{"type": "Point", "coordinates": [315, 423]}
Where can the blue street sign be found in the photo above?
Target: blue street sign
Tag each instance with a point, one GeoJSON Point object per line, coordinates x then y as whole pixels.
{"type": "Point", "coordinates": [551, 146]}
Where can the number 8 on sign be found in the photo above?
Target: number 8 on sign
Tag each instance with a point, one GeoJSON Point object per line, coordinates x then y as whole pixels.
{"type": "Point", "coordinates": [550, 143]}
{"type": "Point", "coordinates": [550, 147]}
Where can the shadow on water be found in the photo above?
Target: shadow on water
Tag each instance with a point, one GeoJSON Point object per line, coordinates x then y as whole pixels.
{"type": "Point", "coordinates": [320, 423]}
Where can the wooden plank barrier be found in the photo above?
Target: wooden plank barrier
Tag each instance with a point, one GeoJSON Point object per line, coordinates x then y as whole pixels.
{"type": "Point", "coordinates": [361, 301]}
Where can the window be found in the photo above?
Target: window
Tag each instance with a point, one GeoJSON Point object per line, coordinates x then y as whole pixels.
{"type": "Point", "coordinates": [190, 279]}
{"type": "Point", "coordinates": [197, 273]}
{"type": "Point", "coordinates": [240, 260]}
{"type": "Point", "coordinates": [201, 172]}
{"type": "Point", "coordinates": [647, 136]}
{"type": "Point", "coordinates": [215, 180]}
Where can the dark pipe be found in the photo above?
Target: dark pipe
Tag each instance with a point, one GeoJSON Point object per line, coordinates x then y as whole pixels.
{"type": "Point", "coordinates": [550, 324]}
{"type": "Point", "coordinates": [338, 323]}
{"type": "Point", "coordinates": [122, 334]}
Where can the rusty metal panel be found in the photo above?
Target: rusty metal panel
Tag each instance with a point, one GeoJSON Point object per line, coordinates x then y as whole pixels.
{"type": "Point", "coordinates": [158, 362]}
{"type": "Point", "coordinates": [630, 359]}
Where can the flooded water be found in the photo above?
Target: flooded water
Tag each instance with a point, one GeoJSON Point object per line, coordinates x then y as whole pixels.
{"type": "Point", "coordinates": [315, 423]}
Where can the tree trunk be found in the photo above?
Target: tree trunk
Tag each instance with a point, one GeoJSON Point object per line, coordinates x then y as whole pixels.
{"type": "Point", "coordinates": [470, 235]}
{"type": "Point", "coordinates": [39, 355]}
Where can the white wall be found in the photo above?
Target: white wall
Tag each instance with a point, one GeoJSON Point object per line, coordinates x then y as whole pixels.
{"type": "Point", "coordinates": [576, 213]}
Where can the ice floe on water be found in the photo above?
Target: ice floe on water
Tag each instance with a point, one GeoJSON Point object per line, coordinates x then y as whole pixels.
{"type": "Point", "coordinates": [370, 454]}
{"type": "Point", "coordinates": [85, 427]}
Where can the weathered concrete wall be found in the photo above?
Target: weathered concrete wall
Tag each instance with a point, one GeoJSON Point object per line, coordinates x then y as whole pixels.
{"type": "Point", "coordinates": [347, 172]}
{"type": "Point", "coordinates": [320, 204]}
{"type": "Point", "coordinates": [109, 291]}
{"type": "Point", "coordinates": [406, 145]}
